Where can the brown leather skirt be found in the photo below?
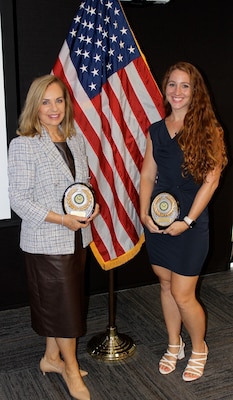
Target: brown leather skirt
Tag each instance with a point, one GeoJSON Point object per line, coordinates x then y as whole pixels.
{"type": "Point", "coordinates": [56, 291]}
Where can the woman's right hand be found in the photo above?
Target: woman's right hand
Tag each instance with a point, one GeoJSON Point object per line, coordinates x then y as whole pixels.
{"type": "Point", "coordinates": [150, 225]}
{"type": "Point", "coordinates": [74, 223]}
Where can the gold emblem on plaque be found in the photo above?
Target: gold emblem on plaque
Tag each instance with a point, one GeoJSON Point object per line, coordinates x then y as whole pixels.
{"type": "Point", "coordinates": [164, 209]}
{"type": "Point", "coordinates": [79, 199]}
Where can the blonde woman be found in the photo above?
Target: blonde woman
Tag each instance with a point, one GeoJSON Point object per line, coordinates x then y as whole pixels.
{"type": "Point", "coordinates": [44, 160]}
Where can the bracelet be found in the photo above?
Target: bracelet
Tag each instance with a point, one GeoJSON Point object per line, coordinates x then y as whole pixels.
{"type": "Point", "coordinates": [62, 220]}
{"type": "Point", "coordinates": [189, 222]}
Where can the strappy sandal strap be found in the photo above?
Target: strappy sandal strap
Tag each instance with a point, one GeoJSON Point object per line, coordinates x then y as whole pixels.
{"type": "Point", "coordinates": [195, 366]}
{"type": "Point", "coordinates": [169, 359]}
{"type": "Point", "coordinates": [164, 360]}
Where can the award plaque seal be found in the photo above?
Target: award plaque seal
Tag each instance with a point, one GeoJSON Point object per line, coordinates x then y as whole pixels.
{"type": "Point", "coordinates": [79, 199]}
{"type": "Point", "coordinates": [164, 209]}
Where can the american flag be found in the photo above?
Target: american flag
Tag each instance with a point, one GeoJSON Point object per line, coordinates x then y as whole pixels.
{"type": "Point", "coordinates": [115, 100]}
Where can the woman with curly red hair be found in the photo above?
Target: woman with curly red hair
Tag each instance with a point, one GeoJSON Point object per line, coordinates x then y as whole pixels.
{"type": "Point", "coordinates": [185, 156]}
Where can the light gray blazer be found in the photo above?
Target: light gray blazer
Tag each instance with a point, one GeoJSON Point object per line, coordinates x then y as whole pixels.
{"type": "Point", "coordinates": [38, 177]}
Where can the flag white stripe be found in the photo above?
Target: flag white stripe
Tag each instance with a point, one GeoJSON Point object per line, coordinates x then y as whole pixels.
{"type": "Point", "coordinates": [142, 93]}
{"type": "Point", "coordinates": [118, 138]}
{"type": "Point", "coordinates": [131, 121]}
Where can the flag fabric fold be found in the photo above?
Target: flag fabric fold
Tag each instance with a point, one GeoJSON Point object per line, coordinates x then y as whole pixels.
{"type": "Point", "coordinates": [115, 100]}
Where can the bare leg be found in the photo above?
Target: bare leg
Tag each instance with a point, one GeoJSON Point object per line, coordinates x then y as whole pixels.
{"type": "Point", "coordinates": [183, 289]}
{"type": "Point", "coordinates": [171, 313]}
{"type": "Point", "coordinates": [52, 353]}
{"type": "Point", "coordinates": [184, 292]}
{"type": "Point", "coordinates": [71, 373]}
{"type": "Point", "coordinates": [52, 362]}
{"type": "Point", "coordinates": [179, 304]}
{"type": "Point", "coordinates": [170, 309]}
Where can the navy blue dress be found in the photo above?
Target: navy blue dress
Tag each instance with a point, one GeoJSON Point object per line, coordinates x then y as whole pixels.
{"type": "Point", "coordinates": [185, 253]}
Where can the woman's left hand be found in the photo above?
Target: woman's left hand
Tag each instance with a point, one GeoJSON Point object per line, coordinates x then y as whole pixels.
{"type": "Point", "coordinates": [95, 213]}
{"type": "Point", "coordinates": [176, 228]}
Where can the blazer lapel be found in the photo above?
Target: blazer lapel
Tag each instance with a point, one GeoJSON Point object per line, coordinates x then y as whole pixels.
{"type": "Point", "coordinates": [54, 154]}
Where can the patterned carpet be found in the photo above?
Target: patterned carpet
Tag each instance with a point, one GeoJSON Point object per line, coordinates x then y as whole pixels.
{"type": "Point", "coordinates": [138, 315]}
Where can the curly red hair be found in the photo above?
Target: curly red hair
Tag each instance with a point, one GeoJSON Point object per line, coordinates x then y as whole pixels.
{"type": "Point", "coordinates": [201, 137]}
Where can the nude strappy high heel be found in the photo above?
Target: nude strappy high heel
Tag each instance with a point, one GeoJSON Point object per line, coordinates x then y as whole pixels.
{"type": "Point", "coordinates": [169, 359]}
{"type": "Point", "coordinates": [195, 366]}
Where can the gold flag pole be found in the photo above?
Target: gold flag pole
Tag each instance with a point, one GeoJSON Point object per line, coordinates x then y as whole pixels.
{"type": "Point", "coordinates": [111, 345]}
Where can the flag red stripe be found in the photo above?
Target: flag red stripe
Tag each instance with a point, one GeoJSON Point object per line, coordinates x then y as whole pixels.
{"type": "Point", "coordinates": [105, 213]}
{"type": "Point", "coordinates": [152, 89]}
{"type": "Point", "coordinates": [135, 104]}
{"type": "Point", "coordinates": [127, 136]}
{"type": "Point", "coordinates": [106, 169]}
{"type": "Point", "coordinates": [130, 144]}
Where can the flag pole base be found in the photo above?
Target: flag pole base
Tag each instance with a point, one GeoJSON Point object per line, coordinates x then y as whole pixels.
{"type": "Point", "coordinates": [111, 346]}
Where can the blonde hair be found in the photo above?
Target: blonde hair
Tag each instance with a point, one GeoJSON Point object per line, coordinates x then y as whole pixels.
{"type": "Point", "coordinates": [29, 124]}
{"type": "Point", "coordinates": [201, 138]}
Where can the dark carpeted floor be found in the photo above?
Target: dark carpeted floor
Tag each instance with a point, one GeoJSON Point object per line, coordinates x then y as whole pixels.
{"type": "Point", "coordinates": [138, 315]}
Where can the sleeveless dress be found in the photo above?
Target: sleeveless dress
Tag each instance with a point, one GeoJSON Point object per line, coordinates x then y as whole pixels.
{"type": "Point", "coordinates": [185, 253]}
